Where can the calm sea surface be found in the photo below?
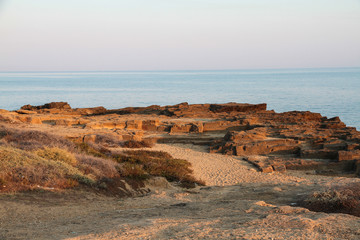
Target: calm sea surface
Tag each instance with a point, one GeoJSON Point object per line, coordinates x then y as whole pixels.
{"type": "Point", "coordinates": [332, 92]}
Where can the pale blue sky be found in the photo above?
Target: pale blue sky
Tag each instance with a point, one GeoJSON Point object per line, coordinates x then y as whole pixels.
{"type": "Point", "coordinates": [67, 35]}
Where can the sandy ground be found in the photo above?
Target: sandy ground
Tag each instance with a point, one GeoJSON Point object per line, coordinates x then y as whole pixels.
{"type": "Point", "coordinates": [222, 170]}
{"type": "Point", "coordinates": [238, 203]}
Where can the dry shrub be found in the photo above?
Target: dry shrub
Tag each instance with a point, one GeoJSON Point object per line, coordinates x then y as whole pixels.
{"type": "Point", "coordinates": [107, 141]}
{"type": "Point", "coordinates": [99, 167]}
{"type": "Point", "coordinates": [339, 200]}
{"type": "Point", "coordinates": [57, 154]}
{"type": "Point", "coordinates": [132, 170]}
{"type": "Point", "coordinates": [146, 143]}
{"type": "Point", "coordinates": [144, 154]}
{"type": "Point", "coordinates": [23, 170]}
{"type": "Point", "coordinates": [31, 140]}
{"type": "Point", "coordinates": [157, 163]}
{"type": "Point", "coordinates": [93, 150]}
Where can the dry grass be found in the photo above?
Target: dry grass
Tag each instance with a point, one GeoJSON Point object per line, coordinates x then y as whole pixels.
{"type": "Point", "coordinates": [339, 200]}
{"type": "Point", "coordinates": [29, 159]}
{"type": "Point", "coordinates": [30, 140]}
{"type": "Point", "coordinates": [57, 154]}
{"type": "Point", "coordinates": [21, 170]}
{"type": "Point", "coordinates": [93, 150]}
{"type": "Point", "coordinates": [98, 167]}
{"type": "Point", "coordinates": [107, 141]}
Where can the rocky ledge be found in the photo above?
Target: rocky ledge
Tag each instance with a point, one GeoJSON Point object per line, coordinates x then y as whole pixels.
{"type": "Point", "coordinates": [269, 140]}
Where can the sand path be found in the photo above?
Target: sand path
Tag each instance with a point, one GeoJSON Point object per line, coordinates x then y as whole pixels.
{"type": "Point", "coordinates": [223, 170]}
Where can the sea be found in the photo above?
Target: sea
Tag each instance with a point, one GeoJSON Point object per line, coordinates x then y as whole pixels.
{"type": "Point", "coordinates": [329, 91]}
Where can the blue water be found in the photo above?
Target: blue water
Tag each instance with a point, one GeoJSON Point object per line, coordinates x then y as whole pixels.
{"type": "Point", "coordinates": [332, 92]}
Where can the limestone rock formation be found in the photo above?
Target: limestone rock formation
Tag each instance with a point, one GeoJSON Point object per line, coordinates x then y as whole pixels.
{"type": "Point", "coordinates": [269, 140]}
{"type": "Point", "coordinates": [55, 105]}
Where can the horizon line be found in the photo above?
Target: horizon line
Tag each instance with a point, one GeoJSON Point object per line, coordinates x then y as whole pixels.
{"type": "Point", "coordinates": [180, 70]}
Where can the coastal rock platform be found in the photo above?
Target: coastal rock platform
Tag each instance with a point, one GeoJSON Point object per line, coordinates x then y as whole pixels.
{"type": "Point", "coordinates": [270, 141]}
{"type": "Point", "coordinates": [258, 167]}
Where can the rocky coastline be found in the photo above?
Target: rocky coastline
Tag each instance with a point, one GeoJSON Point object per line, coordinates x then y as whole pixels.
{"type": "Point", "coordinates": [186, 171]}
{"type": "Point", "coordinates": [269, 140]}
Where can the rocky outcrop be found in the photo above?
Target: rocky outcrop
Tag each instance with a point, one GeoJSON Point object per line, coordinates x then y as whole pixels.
{"type": "Point", "coordinates": [192, 110]}
{"type": "Point", "coordinates": [269, 140]}
{"type": "Point", "coordinates": [236, 107]}
{"type": "Point", "coordinates": [295, 139]}
{"type": "Point", "coordinates": [90, 111]}
{"type": "Point", "coordinates": [52, 105]}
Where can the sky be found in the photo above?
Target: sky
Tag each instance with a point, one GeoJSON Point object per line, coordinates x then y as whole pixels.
{"type": "Point", "coordinates": [121, 35]}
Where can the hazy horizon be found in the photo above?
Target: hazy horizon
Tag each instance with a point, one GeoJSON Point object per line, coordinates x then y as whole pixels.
{"type": "Point", "coordinates": [258, 70]}
{"type": "Point", "coordinates": [140, 35]}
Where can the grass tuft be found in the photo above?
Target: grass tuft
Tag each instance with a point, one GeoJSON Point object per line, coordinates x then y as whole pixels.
{"type": "Point", "coordinates": [57, 154]}
{"type": "Point", "coordinates": [339, 200]}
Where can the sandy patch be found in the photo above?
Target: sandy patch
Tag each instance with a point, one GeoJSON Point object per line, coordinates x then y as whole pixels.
{"type": "Point", "coordinates": [223, 170]}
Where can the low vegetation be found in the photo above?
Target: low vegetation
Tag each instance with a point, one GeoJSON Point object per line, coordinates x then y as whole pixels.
{"type": "Point", "coordinates": [157, 163]}
{"type": "Point", "coordinates": [21, 170]}
{"type": "Point", "coordinates": [57, 154]}
{"type": "Point", "coordinates": [339, 200]}
{"type": "Point", "coordinates": [34, 159]}
{"type": "Point", "coordinates": [148, 143]}
{"type": "Point", "coordinates": [31, 140]}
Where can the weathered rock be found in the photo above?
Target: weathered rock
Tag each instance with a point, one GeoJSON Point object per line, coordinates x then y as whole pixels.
{"type": "Point", "coordinates": [90, 111]}
{"type": "Point", "coordinates": [132, 136]}
{"type": "Point", "coordinates": [134, 125]}
{"type": "Point", "coordinates": [150, 125]}
{"type": "Point", "coordinates": [249, 129]}
{"type": "Point", "coordinates": [357, 167]}
{"type": "Point", "coordinates": [3, 111]}
{"type": "Point", "coordinates": [56, 105]}
{"type": "Point", "coordinates": [333, 123]}
{"type": "Point", "coordinates": [256, 134]}
{"type": "Point", "coordinates": [65, 122]}
{"type": "Point", "coordinates": [279, 167]}
{"type": "Point", "coordinates": [197, 127]}
{"type": "Point", "coordinates": [280, 146]}
{"type": "Point", "coordinates": [335, 144]}
{"type": "Point", "coordinates": [180, 128]}
{"type": "Point", "coordinates": [236, 107]}
{"type": "Point", "coordinates": [28, 119]}
{"type": "Point", "coordinates": [352, 146]}
{"type": "Point", "coordinates": [349, 155]}
{"type": "Point", "coordinates": [25, 112]}
{"type": "Point", "coordinates": [319, 154]}
{"type": "Point", "coordinates": [267, 169]}
{"type": "Point", "coordinates": [221, 125]}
